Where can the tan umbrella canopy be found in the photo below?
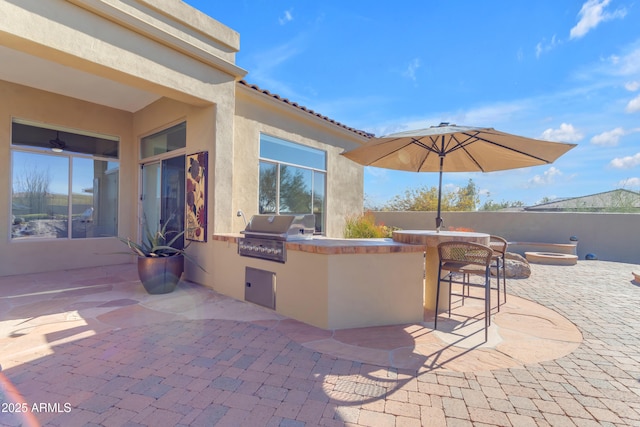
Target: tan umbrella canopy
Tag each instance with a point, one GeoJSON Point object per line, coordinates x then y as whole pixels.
{"type": "Point", "coordinates": [451, 148]}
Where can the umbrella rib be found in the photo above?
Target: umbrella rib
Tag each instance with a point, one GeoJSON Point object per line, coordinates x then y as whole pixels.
{"type": "Point", "coordinates": [430, 149]}
{"type": "Point", "coordinates": [427, 148]}
{"type": "Point", "coordinates": [512, 149]}
{"type": "Point", "coordinates": [475, 138]}
{"type": "Point", "coordinates": [390, 152]}
{"type": "Point", "coordinates": [462, 146]}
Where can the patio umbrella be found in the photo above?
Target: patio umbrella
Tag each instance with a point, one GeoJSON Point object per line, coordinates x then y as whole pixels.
{"type": "Point", "coordinates": [452, 148]}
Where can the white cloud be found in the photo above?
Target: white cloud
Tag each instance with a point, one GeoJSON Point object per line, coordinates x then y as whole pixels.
{"type": "Point", "coordinates": [546, 178]}
{"type": "Point", "coordinates": [378, 173]}
{"type": "Point", "coordinates": [450, 188]}
{"type": "Point", "coordinates": [288, 17]}
{"type": "Point", "coordinates": [627, 162]}
{"type": "Point", "coordinates": [609, 138]}
{"type": "Point", "coordinates": [634, 105]}
{"type": "Point", "coordinates": [566, 133]}
{"type": "Point", "coordinates": [266, 62]}
{"type": "Point", "coordinates": [629, 183]}
{"type": "Point", "coordinates": [630, 63]}
{"type": "Point", "coordinates": [592, 14]}
{"type": "Point", "coordinates": [632, 86]}
{"type": "Point", "coordinates": [545, 46]}
{"type": "Point", "coordinates": [627, 64]}
{"type": "Point", "coordinates": [410, 72]}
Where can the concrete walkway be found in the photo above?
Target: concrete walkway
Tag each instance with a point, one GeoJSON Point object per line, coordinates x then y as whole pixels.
{"type": "Point", "coordinates": [90, 347]}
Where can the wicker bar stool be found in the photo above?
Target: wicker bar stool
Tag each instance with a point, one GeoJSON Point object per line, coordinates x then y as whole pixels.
{"type": "Point", "coordinates": [467, 259]}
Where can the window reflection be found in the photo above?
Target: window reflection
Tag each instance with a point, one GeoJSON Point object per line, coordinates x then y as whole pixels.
{"type": "Point", "coordinates": [295, 190]}
{"type": "Point", "coordinates": [94, 199]}
{"type": "Point", "coordinates": [37, 137]}
{"type": "Point", "coordinates": [40, 198]}
{"type": "Point", "coordinates": [289, 152]}
{"type": "Point", "coordinates": [167, 140]}
{"type": "Point", "coordinates": [318, 199]}
{"type": "Point", "coordinates": [268, 192]}
{"type": "Point", "coordinates": [292, 179]}
{"type": "Point", "coordinates": [61, 195]}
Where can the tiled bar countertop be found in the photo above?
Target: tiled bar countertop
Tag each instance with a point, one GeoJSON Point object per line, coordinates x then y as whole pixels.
{"type": "Point", "coordinates": [331, 246]}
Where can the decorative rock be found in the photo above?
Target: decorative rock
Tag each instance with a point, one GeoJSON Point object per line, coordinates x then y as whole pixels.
{"type": "Point", "coordinates": [517, 267]}
{"type": "Point", "coordinates": [516, 257]}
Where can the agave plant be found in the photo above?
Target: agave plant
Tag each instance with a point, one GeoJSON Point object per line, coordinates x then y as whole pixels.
{"type": "Point", "coordinates": [158, 244]}
{"type": "Point", "coordinates": [155, 244]}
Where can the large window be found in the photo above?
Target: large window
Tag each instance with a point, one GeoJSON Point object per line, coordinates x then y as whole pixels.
{"type": "Point", "coordinates": [292, 179]}
{"type": "Point", "coordinates": [64, 183]}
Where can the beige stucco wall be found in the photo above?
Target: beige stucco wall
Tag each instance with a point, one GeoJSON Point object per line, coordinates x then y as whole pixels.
{"type": "Point", "coordinates": [38, 255]}
{"type": "Point", "coordinates": [43, 255]}
{"type": "Point", "coordinates": [182, 59]}
{"type": "Point", "coordinates": [331, 291]}
{"type": "Point", "coordinates": [375, 289]}
{"type": "Point", "coordinates": [611, 236]}
{"type": "Point", "coordinates": [167, 49]}
{"type": "Point", "coordinates": [146, 48]}
{"type": "Point", "coordinates": [258, 113]}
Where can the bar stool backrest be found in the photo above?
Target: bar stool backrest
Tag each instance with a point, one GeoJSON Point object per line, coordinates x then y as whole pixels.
{"type": "Point", "coordinates": [465, 253]}
{"type": "Point", "coordinates": [498, 244]}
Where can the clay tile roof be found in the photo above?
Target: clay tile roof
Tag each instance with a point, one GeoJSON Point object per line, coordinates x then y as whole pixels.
{"type": "Point", "coordinates": [305, 109]}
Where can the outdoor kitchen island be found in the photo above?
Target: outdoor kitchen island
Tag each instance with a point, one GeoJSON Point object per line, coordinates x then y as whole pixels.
{"type": "Point", "coordinates": [330, 283]}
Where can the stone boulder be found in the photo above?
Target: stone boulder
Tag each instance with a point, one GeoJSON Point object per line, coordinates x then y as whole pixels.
{"type": "Point", "coordinates": [517, 266]}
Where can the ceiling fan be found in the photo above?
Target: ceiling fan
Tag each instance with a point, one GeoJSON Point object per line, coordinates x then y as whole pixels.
{"type": "Point", "coordinates": [57, 144]}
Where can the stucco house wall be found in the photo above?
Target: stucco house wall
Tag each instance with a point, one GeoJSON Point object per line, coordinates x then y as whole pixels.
{"type": "Point", "coordinates": [129, 69]}
{"type": "Point", "coordinates": [258, 113]}
{"type": "Point", "coordinates": [28, 103]}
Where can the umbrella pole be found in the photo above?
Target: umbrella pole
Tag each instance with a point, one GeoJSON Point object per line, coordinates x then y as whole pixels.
{"type": "Point", "coordinates": [438, 217]}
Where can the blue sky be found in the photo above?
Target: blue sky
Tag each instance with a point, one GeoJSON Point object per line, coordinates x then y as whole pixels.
{"type": "Point", "coordinates": [564, 71]}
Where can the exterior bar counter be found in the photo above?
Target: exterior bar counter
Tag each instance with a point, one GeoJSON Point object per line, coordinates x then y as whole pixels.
{"type": "Point", "coordinates": [431, 239]}
{"type": "Point", "coordinates": [332, 283]}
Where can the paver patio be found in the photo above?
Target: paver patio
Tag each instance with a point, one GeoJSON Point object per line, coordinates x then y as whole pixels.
{"type": "Point", "coordinates": [90, 347]}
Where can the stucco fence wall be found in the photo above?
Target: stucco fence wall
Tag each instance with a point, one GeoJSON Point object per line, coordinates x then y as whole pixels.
{"type": "Point", "coordinates": [610, 236]}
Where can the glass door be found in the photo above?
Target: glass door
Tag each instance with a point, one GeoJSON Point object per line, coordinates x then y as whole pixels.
{"type": "Point", "coordinates": [163, 197]}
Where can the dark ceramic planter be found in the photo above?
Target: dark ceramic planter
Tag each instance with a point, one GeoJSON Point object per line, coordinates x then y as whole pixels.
{"type": "Point", "coordinates": [160, 275]}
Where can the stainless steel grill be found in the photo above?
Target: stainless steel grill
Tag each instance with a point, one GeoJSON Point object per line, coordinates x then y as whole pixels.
{"type": "Point", "coordinates": [265, 236]}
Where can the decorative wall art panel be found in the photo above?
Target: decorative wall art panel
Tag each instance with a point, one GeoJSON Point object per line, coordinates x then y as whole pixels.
{"type": "Point", "coordinates": [196, 207]}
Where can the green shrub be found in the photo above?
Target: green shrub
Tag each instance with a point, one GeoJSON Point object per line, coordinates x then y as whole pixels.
{"type": "Point", "coordinates": [364, 227]}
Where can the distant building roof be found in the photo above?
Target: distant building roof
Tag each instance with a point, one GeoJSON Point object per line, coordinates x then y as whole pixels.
{"type": "Point", "coordinates": [608, 201]}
